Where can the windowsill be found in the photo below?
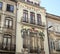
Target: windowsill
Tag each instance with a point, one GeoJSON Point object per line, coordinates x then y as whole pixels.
{"type": "Point", "coordinates": [6, 51]}
{"type": "Point", "coordinates": [9, 12]}
{"type": "Point", "coordinates": [34, 25]}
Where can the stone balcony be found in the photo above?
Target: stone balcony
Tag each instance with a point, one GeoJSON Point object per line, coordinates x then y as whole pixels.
{"type": "Point", "coordinates": [34, 24]}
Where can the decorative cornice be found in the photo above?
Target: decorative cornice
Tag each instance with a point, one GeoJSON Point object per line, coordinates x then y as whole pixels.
{"type": "Point", "coordinates": [52, 16]}
{"type": "Point", "coordinates": [31, 4]}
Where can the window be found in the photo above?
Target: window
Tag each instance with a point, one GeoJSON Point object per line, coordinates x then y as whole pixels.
{"type": "Point", "coordinates": [9, 23]}
{"type": "Point", "coordinates": [25, 38]}
{"type": "Point", "coordinates": [34, 42]}
{"type": "Point", "coordinates": [39, 19]}
{"type": "Point", "coordinates": [52, 44]}
{"type": "Point", "coordinates": [28, 1]}
{"type": "Point", "coordinates": [0, 19]}
{"type": "Point", "coordinates": [6, 42]}
{"type": "Point", "coordinates": [10, 8]}
{"type": "Point", "coordinates": [36, 4]}
{"type": "Point", "coordinates": [25, 15]}
{"type": "Point", "coordinates": [1, 5]}
{"type": "Point", "coordinates": [57, 47]}
{"type": "Point", "coordinates": [32, 18]}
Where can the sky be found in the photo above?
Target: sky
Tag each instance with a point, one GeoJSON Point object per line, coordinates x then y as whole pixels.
{"type": "Point", "coordinates": [51, 6]}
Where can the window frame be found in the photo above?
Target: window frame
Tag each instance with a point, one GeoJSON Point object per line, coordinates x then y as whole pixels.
{"type": "Point", "coordinates": [6, 36]}
{"type": "Point", "coordinates": [39, 22]}
{"type": "Point", "coordinates": [32, 17]}
{"type": "Point", "coordinates": [9, 20]}
{"type": "Point", "coordinates": [25, 15]}
{"type": "Point", "coordinates": [12, 11]}
{"type": "Point", "coordinates": [1, 5]}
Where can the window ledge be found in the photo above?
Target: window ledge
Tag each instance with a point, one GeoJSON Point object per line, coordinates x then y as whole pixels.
{"type": "Point", "coordinates": [34, 25]}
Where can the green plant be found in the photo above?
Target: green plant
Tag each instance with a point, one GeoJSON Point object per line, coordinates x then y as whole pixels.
{"type": "Point", "coordinates": [41, 34]}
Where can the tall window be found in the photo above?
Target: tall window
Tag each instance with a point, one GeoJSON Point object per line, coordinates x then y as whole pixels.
{"type": "Point", "coordinates": [32, 17]}
{"type": "Point", "coordinates": [25, 15]}
{"type": "Point", "coordinates": [52, 44]}
{"type": "Point", "coordinates": [0, 19]}
{"type": "Point", "coordinates": [57, 46]}
{"type": "Point", "coordinates": [1, 5]}
{"type": "Point", "coordinates": [34, 44]}
{"type": "Point", "coordinates": [10, 8]}
{"type": "Point", "coordinates": [25, 38]}
{"type": "Point", "coordinates": [9, 23]}
{"type": "Point", "coordinates": [39, 19]}
{"type": "Point", "coordinates": [6, 42]}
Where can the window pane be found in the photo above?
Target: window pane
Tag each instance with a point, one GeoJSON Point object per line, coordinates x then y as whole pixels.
{"type": "Point", "coordinates": [7, 22]}
{"type": "Point", "coordinates": [10, 8]}
{"type": "Point", "coordinates": [38, 19]}
{"type": "Point", "coordinates": [25, 15]}
{"type": "Point", "coordinates": [39, 45]}
{"type": "Point", "coordinates": [4, 43]}
{"type": "Point", "coordinates": [0, 5]}
{"type": "Point", "coordinates": [0, 20]}
{"type": "Point", "coordinates": [32, 17]}
{"type": "Point", "coordinates": [10, 23]}
{"type": "Point", "coordinates": [8, 43]}
{"type": "Point", "coordinates": [59, 44]}
{"type": "Point", "coordinates": [32, 42]}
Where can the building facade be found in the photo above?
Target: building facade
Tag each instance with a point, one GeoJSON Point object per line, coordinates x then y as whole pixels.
{"type": "Point", "coordinates": [7, 27]}
{"type": "Point", "coordinates": [24, 28]}
{"type": "Point", "coordinates": [54, 33]}
{"type": "Point", "coordinates": [31, 23]}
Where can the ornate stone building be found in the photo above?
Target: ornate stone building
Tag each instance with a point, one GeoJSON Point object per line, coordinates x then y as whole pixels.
{"type": "Point", "coordinates": [24, 28]}
{"type": "Point", "coordinates": [7, 27]}
{"type": "Point", "coordinates": [31, 22]}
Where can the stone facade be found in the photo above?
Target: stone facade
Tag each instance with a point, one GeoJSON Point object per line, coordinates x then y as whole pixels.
{"type": "Point", "coordinates": [24, 28]}
{"type": "Point", "coordinates": [54, 33]}
{"type": "Point", "coordinates": [7, 27]}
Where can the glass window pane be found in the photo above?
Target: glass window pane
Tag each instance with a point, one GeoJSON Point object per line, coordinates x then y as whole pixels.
{"type": "Point", "coordinates": [11, 8]}
{"type": "Point", "coordinates": [8, 43]}
{"type": "Point", "coordinates": [7, 22]}
{"type": "Point", "coordinates": [59, 44]}
{"type": "Point", "coordinates": [32, 17]}
{"type": "Point", "coordinates": [39, 45]}
{"type": "Point", "coordinates": [25, 15]}
{"type": "Point", "coordinates": [4, 43]}
{"type": "Point", "coordinates": [32, 42]}
{"type": "Point", "coordinates": [0, 5]}
{"type": "Point", "coordinates": [10, 23]}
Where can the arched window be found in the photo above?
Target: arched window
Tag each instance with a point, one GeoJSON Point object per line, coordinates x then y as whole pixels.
{"type": "Point", "coordinates": [9, 22]}
{"type": "Point", "coordinates": [7, 42]}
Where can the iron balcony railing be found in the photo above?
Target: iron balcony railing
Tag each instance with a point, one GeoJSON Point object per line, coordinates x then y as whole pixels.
{"type": "Point", "coordinates": [26, 21]}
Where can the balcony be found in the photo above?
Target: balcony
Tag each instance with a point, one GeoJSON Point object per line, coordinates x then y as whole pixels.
{"type": "Point", "coordinates": [6, 51]}
{"type": "Point", "coordinates": [58, 49]}
{"type": "Point", "coordinates": [25, 46]}
{"type": "Point", "coordinates": [26, 22]}
{"type": "Point", "coordinates": [33, 50]}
